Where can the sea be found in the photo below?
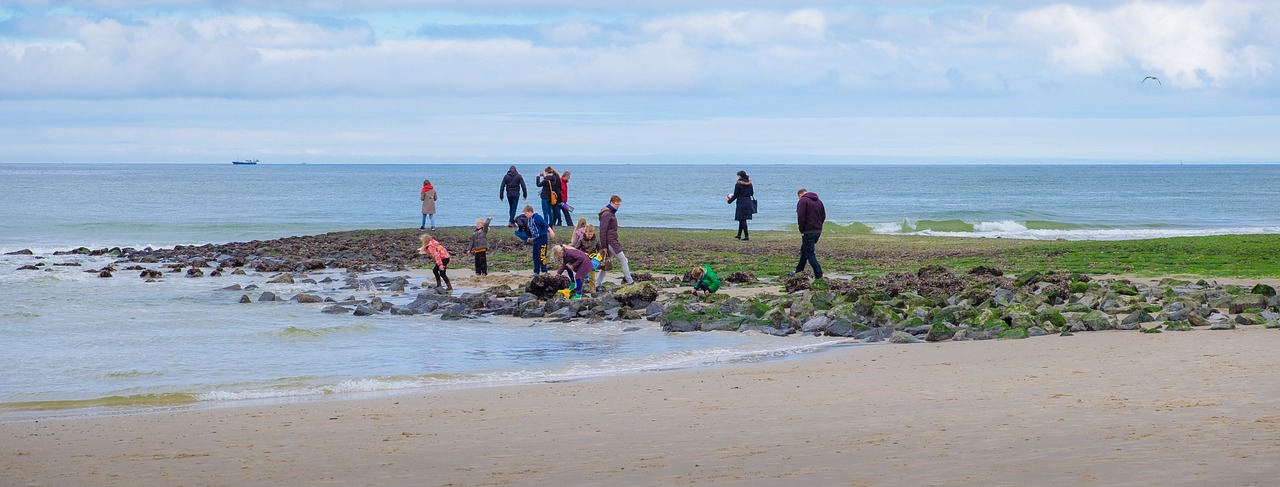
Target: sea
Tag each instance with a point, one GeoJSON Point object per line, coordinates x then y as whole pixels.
{"type": "Point", "coordinates": [72, 343]}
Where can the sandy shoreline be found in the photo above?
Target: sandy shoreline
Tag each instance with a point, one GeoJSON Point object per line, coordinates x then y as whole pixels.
{"type": "Point", "coordinates": [1103, 408]}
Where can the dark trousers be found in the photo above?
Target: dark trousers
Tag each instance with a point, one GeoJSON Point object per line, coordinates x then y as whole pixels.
{"type": "Point", "coordinates": [441, 272]}
{"type": "Point", "coordinates": [742, 229]}
{"type": "Point", "coordinates": [540, 255]}
{"type": "Point", "coordinates": [808, 254]}
{"type": "Point", "coordinates": [568, 219]}
{"type": "Point", "coordinates": [482, 263]}
{"type": "Point", "coordinates": [512, 201]}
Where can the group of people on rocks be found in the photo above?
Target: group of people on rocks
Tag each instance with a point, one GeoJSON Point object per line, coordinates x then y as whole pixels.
{"type": "Point", "coordinates": [591, 249]}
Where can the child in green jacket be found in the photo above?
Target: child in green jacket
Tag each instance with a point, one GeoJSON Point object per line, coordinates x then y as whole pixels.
{"type": "Point", "coordinates": [706, 281]}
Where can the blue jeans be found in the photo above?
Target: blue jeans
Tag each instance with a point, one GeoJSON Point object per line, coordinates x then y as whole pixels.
{"type": "Point", "coordinates": [808, 254]}
{"type": "Point", "coordinates": [523, 236]}
{"type": "Point", "coordinates": [512, 201]}
{"type": "Point", "coordinates": [539, 255]}
{"type": "Point", "coordinates": [424, 220]}
{"type": "Point", "coordinates": [546, 210]}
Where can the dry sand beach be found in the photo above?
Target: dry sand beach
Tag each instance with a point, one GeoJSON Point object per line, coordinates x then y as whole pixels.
{"type": "Point", "coordinates": [1106, 408]}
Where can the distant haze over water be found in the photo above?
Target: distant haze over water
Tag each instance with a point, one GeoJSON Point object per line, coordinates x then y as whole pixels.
{"type": "Point", "coordinates": [57, 206]}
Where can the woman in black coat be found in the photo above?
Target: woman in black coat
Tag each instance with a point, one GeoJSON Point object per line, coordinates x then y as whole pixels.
{"type": "Point", "coordinates": [742, 194]}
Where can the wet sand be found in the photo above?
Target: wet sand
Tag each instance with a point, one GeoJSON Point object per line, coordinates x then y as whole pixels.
{"type": "Point", "coordinates": [1103, 408]}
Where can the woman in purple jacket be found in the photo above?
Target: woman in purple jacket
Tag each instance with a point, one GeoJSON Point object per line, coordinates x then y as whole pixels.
{"type": "Point", "coordinates": [576, 262]}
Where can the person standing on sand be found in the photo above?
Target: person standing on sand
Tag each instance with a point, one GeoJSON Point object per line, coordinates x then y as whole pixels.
{"type": "Point", "coordinates": [744, 194]}
{"type": "Point", "coordinates": [609, 240]}
{"type": "Point", "coordinates": [549, 181]}
{"type": "Point", "coordinates": [512, 186]}
{"type": "Point", "coordinates": [563, 207]}
{"type": "Point", "coordinates": [810, 214]}
{"type": "Point", "coordinates": [428, 197]}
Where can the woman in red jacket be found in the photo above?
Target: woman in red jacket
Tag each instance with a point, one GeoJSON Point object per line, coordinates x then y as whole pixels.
{"type": "Point", "coordinates": [564, 201]}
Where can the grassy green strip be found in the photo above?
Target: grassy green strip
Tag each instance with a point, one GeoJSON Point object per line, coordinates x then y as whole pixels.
{"type": "Point", "coordinates": [770, 253]}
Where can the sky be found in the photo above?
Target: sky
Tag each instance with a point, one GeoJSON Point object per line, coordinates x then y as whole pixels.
{"type": "Point", "coordinates": [658, 81]}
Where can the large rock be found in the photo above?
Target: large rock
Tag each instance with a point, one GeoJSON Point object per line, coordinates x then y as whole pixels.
{"type": "Point", "coordinates": [722, 324]}
{"type": "Point", "coordinates": [654, 311]}
{"type": "Point", "coordinates": [1249, 319]}
{"type": "Point", "coordinates": [1263, 289]}
{"type": "Point", "coordinates": [1002, 297]}
{"type": "Point", "coordinates": [1098, 321]}
{"type": "Point", "coordinates": [1222, 325]}
{"type": "Point", "coordinates": [307, 298]}
{"type": "Point", "coordinates": [638, 295]}
{"type": "Point", "coordinates": [1132, 321]}
{"type": "Point", "coordinates": [902, 337]}
{"type": "Point", "coordinates": [841, 327]}
{"type": "Point", "coordinates": [798, 282]}
{"type": "Point", "coordinates": [285, 278]}
{"type": "Point", "coordinates": [1176, 311]}
{"type": "Point", "coordinates": [815, 324]}
{"type": "Point", "coordinates": [680, 326]}
{"type": "Point", "coordinates": [939, 331]}
{"type": "Point", "coordinates": [1125, 288]}
{"type": "Point", "coordinates": [1247, 302]}
{"type": "Point", "coordinates": [545, 285]}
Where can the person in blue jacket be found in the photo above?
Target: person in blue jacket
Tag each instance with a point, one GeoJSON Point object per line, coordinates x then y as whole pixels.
{"type": "Point", "coordinates": [540, 233]}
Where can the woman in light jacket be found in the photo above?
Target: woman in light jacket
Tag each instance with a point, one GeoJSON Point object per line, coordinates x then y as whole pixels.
{"type": "Point", "coordinates": [428, 197]}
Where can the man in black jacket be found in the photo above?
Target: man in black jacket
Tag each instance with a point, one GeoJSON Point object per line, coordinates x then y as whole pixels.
{"type": "Point", "coordinates": [512, 186]}
{"type": "Point", "coordinates": [810, 214]}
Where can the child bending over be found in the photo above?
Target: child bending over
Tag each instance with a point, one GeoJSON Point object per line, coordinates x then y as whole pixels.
{"type": "Point", "coordinates": [706, 281]}
{"type": "Point", "coordinates": [576, 262]}
{"type": "Point", "coordinates": [432, 248]}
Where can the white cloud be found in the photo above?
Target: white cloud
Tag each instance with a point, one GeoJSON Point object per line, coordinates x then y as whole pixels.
{"type": "Point", "coordinates": [1189, 45]}
{"type": "Point", "coordinates": [742, 28]}
{"type": "Point", "coordinates": [931, 49]}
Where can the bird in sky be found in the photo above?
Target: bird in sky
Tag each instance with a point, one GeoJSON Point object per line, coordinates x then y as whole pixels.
{"type": "Point", "coordinates": [1144, 80]}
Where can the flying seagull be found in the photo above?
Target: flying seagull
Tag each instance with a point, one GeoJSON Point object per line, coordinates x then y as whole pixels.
{"type": "Point", "coordinates": [1144, 80]}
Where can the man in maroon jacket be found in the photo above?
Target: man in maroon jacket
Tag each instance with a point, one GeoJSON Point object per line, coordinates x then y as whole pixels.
{"type": "Point", "coordinates": [810, 214]}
